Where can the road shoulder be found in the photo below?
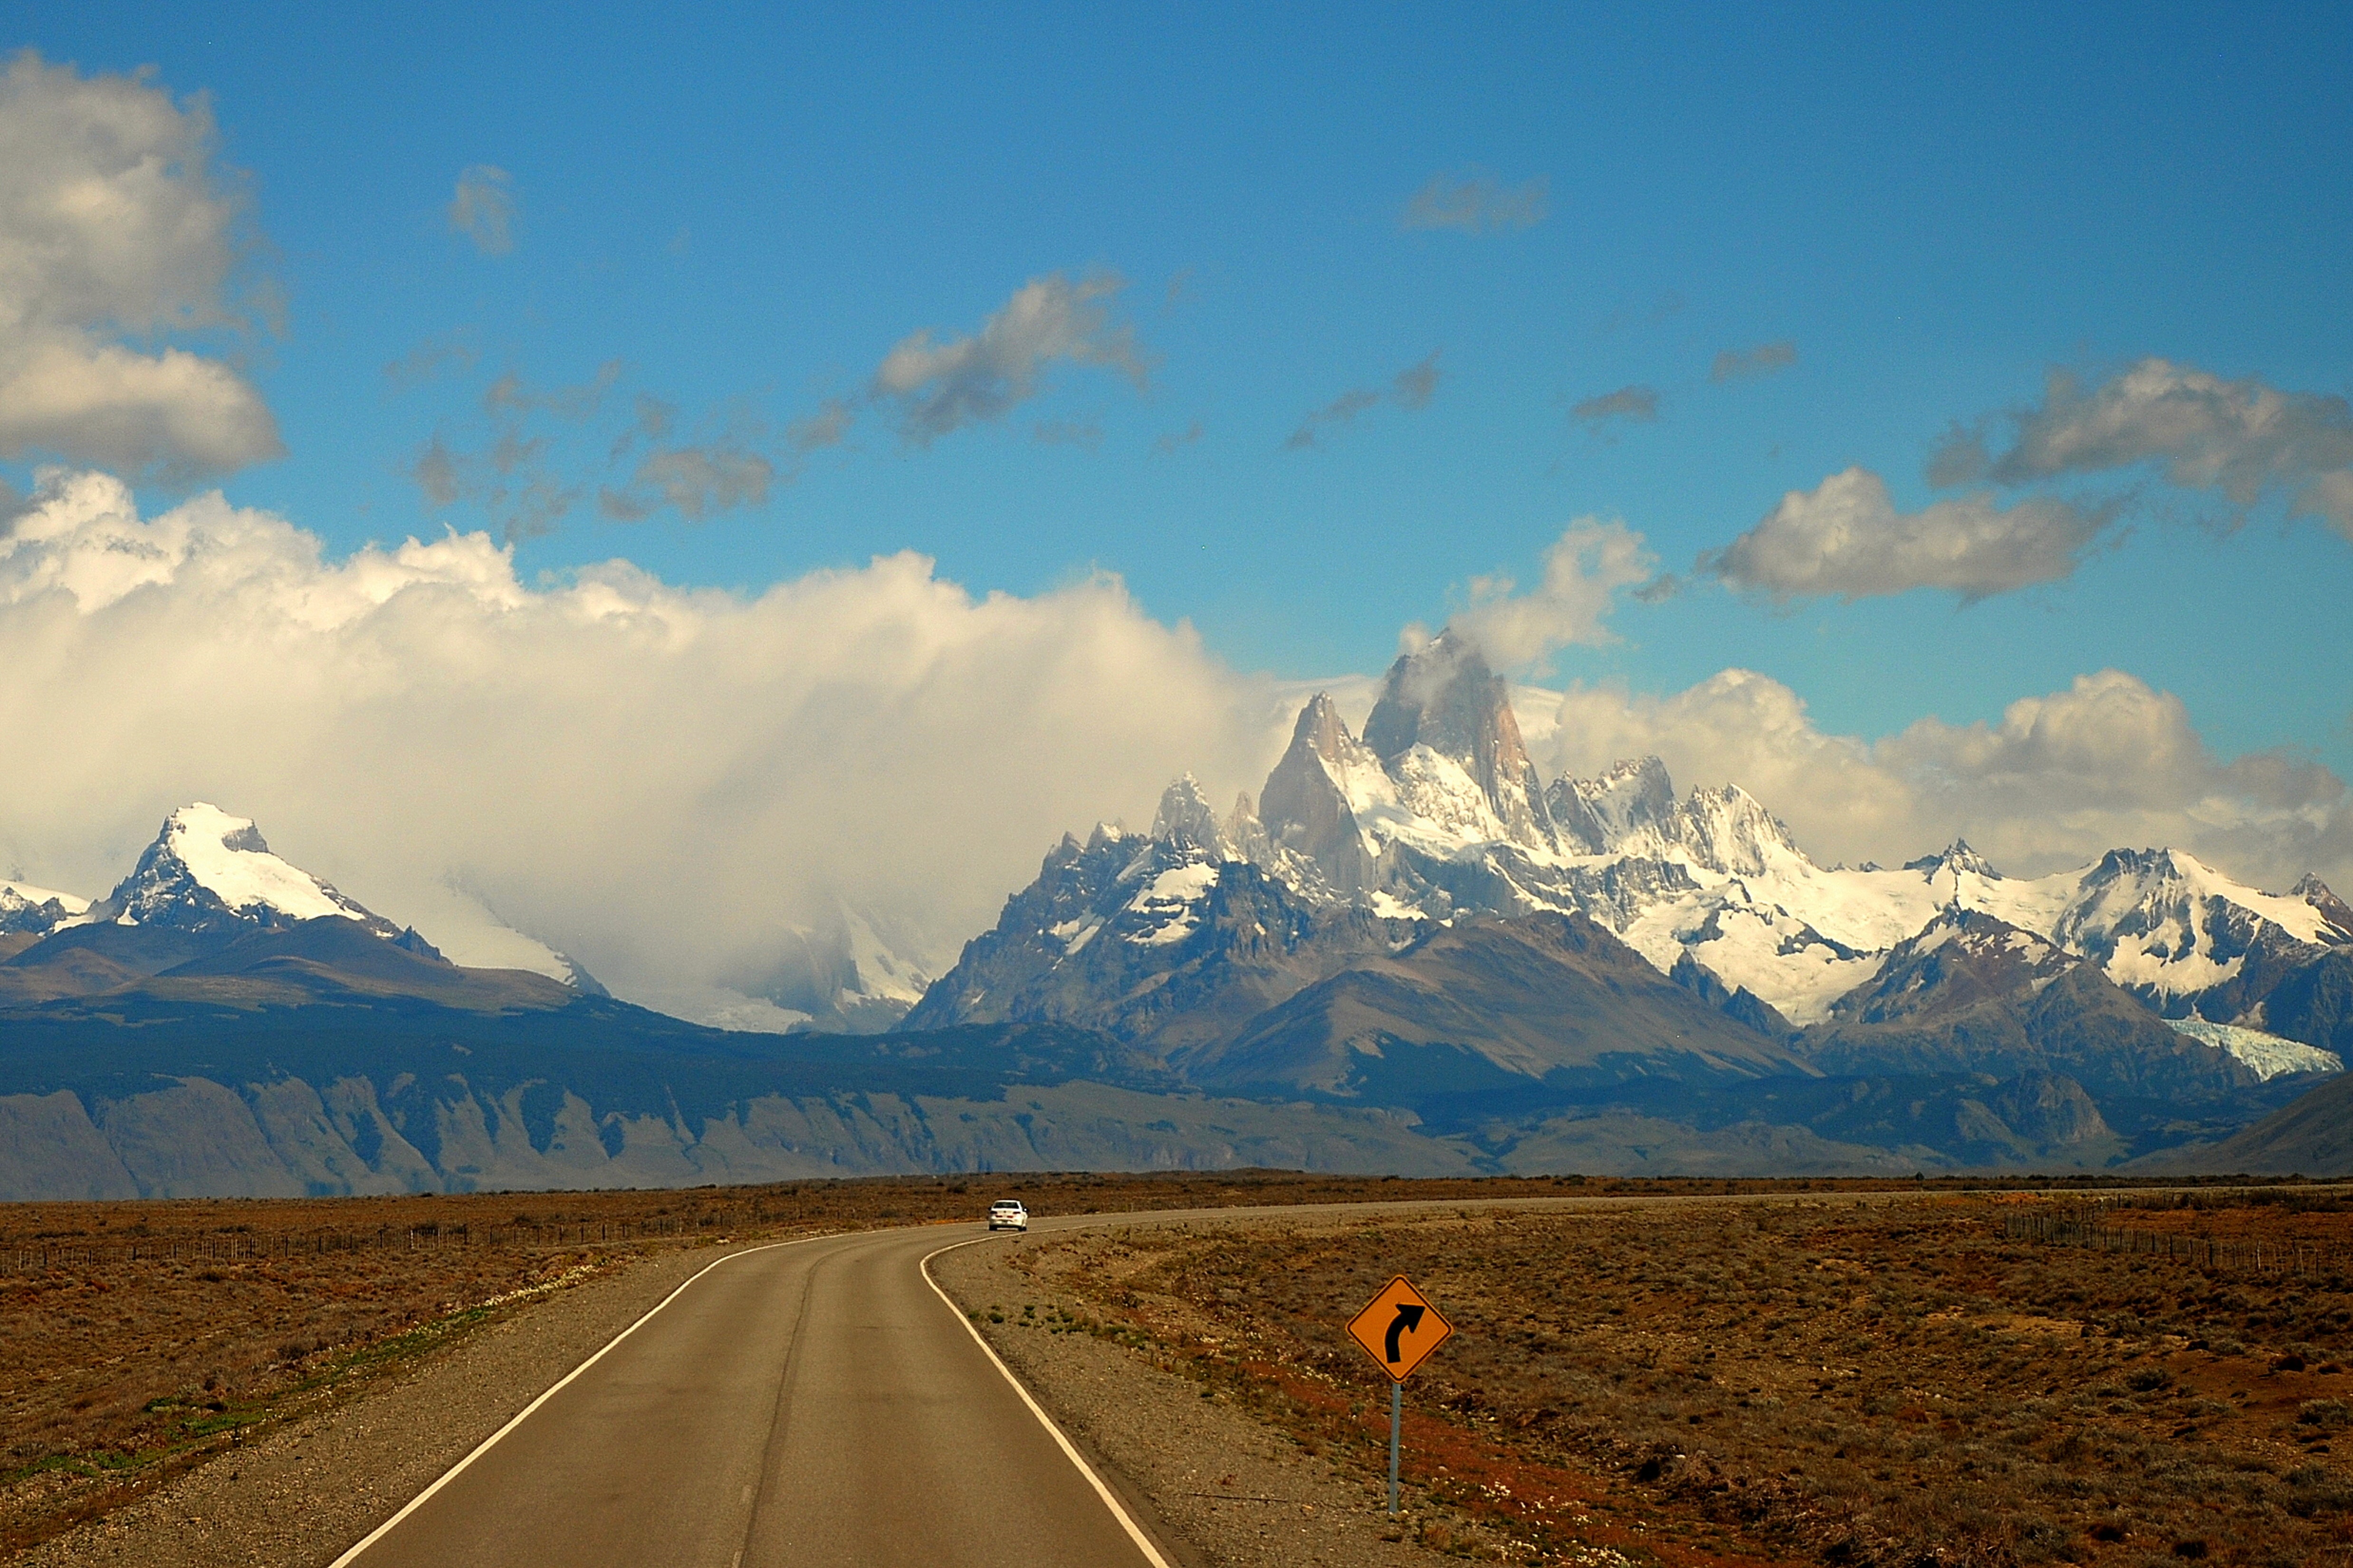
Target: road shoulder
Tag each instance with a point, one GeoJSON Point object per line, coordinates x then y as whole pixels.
{"type": "Point", "coordinates": [1221, 1490]}
{"type": "Point", "coordinates": [303, 1489]}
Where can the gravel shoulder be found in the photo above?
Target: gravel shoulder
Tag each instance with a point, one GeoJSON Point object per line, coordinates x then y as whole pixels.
{"type": "Point", "coordinates": [1221, 1489]}
{"type": "Point", "coordinates": [307, 1487]}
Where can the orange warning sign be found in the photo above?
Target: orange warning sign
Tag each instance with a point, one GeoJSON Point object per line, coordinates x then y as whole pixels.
{"type": "Point", "coordinates": [1399, 1327]}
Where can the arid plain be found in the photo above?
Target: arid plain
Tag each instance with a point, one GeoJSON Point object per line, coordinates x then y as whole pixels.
{"type": "Point", "coordinates": [1837, 1373]}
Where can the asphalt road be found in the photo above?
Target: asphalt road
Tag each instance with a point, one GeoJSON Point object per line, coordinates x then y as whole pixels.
{"type": "Point", "coordinates": [817, 1401]}
{"type": "Point", "coordinates": [813, 1403]}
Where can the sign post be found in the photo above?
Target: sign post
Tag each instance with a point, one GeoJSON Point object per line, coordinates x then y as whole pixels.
{"type": "Point", "coordinates": [1399, 1328]}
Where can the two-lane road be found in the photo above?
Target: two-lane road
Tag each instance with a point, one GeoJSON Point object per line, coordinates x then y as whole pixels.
{"type": "Point", "coordinates": [817, 1401]}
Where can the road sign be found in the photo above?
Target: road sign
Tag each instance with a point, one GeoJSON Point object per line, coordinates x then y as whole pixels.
{"type": "Point", "coordinates": [1399, 1328]}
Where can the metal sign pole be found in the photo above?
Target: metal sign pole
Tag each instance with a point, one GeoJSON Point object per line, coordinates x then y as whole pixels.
{"type": "Point", "coordinates": [1399, 1328]}
{"type": "Point", "coordinates": [1396, 1425]}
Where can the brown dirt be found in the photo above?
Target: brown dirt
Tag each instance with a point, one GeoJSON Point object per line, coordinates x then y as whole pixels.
{"type": "Point", "coordinates": [1899, 1384]}
{"type": "Point", "coordinates": [139, 1338]}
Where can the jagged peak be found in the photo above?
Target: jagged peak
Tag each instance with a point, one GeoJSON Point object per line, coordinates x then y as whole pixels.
{"type": "Point", "coordinates": [1975, 929]}
{"type": "Point", "coordinates": [1646, 772]}
{"type": "Point", "coordinates": [1185, 815]}
{"type": "Point", "coordinates": [2334, 909]}
{"type": "Point", "coordinates": [208, 869]}
{"type": "Point", "coordinates": [1956, 858]}
{"type": "Point", "coordinates": [1730, 829]}
{"type": "Point", "coordinates": [1443, 697]}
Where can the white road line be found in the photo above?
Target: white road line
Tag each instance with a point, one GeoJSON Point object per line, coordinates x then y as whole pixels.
{"type": "Point", "coordinates": [487, 1444]}
{"type": "Point", "coordinates": [1110, 1500]}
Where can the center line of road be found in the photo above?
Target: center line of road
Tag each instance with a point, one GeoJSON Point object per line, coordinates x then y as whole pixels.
{"type": "Point", "coordinates": [1110, 1500]}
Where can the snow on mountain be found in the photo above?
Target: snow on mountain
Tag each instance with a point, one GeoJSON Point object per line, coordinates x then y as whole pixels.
{"type": "Point", "coordinates": [210, 874]}
{"type": "Point", "coordinates": [2268, 1056]}
{"type": "Point", "coordinates": [1960, 958]}
{"type": "Point", "coordinates": [29, 910]}
{"type": "Point", "coordinates": [208, 871]}
{"type": "Point", "coordinates": [2164, 924]}
{"type": "Point", "coordinates": [1436, 813]}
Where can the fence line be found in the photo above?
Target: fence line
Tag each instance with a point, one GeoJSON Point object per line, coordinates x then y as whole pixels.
{"type": "Point", "coordinates": [245, 1247]}
{"type": "Point", "coordinates": [2297, 1259]}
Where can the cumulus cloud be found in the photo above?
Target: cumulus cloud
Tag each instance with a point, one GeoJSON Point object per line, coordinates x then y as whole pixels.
{"type": "Point", "coordinates": [1628, 404]}
{"type": "Point", "coordinates": [2058, 779]}
{"type": "Point", "coordinates": [1583, 571]}
{"type": "Point", "coordinates": [1476, 204]}
{"type": "Point", "coordinates": [941, 387]}
{"type": "Point", "coordinates": [1411, 389]}
{"type": "Point", "coordinates": [2240, 438]}
{"type": "Point", "coordinates": [1845, 538]}
{"type": "Point", "coordinates": [482, 209]}
{"type": "Point", "coordinates": [675, 785]}
{"type": "Point", "coordinates": [1736, 365]}
{"type": "Point", "coordinates": [116, 224]}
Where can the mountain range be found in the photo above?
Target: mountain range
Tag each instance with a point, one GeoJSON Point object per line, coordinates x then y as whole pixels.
{"type": "Point", "coordinates": [1410, 952]}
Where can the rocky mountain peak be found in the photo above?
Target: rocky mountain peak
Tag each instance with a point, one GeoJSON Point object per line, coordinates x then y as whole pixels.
{"type": "Point", "coordinates": [1962, 957]}
{"type": "Point", "coordinates": [1186, 819]}
{"type": "Point", "coordinates": [209, 872]}
{"type": "Point", "coordinates": [27, 911]}
{"type": "Point", "coordinates": [1444, 697]}
{"type": "Point", "coordinates": [1958, 858]}
{"type": "Point", "coordinates": [1729, 830]}
{"type": "Point", "coordinates": [1321, 729]}
{"type": "Point", "coordinates": [1601, 815]}
{"type": "Point", "coordinates": [2334, 909]}
{"type": "Point", "coordinates": [1307, 804]}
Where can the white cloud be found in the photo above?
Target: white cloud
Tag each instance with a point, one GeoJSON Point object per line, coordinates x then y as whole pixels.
{"type": "Point", "coordinates": [2240, 438]}
{"type": "Point", "coordinates": [2060, 778]}
{"type": "Point", "coordinates": [663, 781]}
{"type": "Point", "coordinates": [1475, 203]}
{"type": "Point", "coordinates": [482, 208]}
{"type": "Point", "coordinates": [942, 387]}
{"type": "Point", "coordinates": [1844, 537]}
{"type": "Point", "coordinates": [1584, 570]}
{"type": "Point", "coordinates": [115, 224]}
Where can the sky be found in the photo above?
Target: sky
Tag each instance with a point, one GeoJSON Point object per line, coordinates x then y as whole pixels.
{"type": "Point", "coordinates": [1936, 421]}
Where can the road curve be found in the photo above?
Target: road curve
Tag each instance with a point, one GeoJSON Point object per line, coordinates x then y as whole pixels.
{"type": "Point", "coordinates": [813, 1401]}
{"type": "Point", "coordinates": [819, 1402]}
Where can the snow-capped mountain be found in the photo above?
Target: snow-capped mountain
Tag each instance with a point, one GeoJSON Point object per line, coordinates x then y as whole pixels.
{"type": "Point", "coordinates": [1437, 813]}
{"type": "Point", "coordinates": [209, 877]}
{"type": "Point", "coordinates": [209, 872]}
{"type": "Point", "coordinates": [27, 911]}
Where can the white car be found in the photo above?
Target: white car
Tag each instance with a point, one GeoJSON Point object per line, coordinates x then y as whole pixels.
{"type": "Point", "coordinates": [1007, 1214]}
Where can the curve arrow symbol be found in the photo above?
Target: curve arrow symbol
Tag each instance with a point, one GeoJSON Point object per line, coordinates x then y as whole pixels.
{"type": "Point", "coordinates": [1407, 1319]}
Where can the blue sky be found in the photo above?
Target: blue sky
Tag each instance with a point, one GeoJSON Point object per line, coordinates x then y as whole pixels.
{"type": "Point", "coordinates": [1922, 214]}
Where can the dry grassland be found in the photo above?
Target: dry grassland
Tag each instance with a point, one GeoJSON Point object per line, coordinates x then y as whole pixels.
{"type": "Point", "coordinates": [1897, 1383]}
{"type": "Point", "coordinates": [138, 1337]}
